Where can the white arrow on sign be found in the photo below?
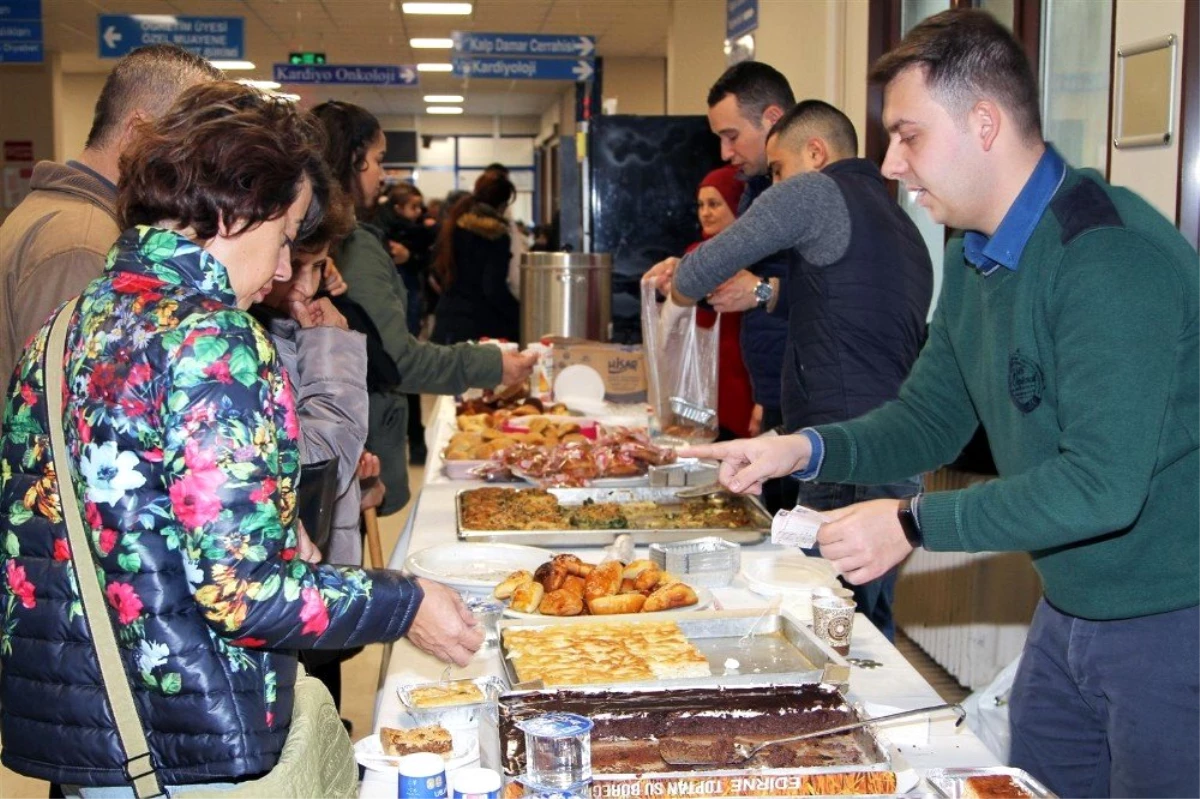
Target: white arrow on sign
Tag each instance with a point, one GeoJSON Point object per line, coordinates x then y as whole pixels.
{"type": "Point", "coordinates": [582, 71]}
{"type": "Point", "coordinates": [585, 47]}
{"type": "Point", "coordinates": [111, 37]}
{"type": "Point", "coordinates": [408, 75]}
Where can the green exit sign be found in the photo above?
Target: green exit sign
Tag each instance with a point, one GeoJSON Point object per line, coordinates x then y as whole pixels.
{"type": "Point", "coordinates": [306, 58]}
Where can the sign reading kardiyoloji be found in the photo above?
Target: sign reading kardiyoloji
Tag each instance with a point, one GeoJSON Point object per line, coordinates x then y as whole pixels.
{"type": "Point", "coordinates": [214, 38]}
{"type": "Point", "coordinates": [525, 68]}
{"type": "Point", "coordinates": [358, 74]}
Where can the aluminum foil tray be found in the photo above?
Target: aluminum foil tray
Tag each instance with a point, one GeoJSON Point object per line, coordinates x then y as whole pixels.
{"type": "Point", "coordinates": [782, 649]}
{"type": "Point", "coordinates": [951, 782]}
{"type": "Point", "coordinates": [760, 520]}
{"type": "Point", "coordinates": [712, 562]}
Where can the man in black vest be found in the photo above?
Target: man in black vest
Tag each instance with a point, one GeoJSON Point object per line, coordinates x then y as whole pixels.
{"type": "Point", "coordinates": [858, 291]}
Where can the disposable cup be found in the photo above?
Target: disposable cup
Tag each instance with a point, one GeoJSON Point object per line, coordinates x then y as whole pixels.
{"type": "Point", "coordinates": [833, 621]}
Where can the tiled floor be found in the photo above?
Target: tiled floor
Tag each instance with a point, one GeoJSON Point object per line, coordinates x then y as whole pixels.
{"type": "Point", "coordinates": [360, 675]}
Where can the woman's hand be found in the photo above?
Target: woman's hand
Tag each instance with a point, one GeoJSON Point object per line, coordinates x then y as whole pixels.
{"type": "Point", "coordinates": [373, 489]}
{"type": "Point", "coordinates": [443, 626]}
{"type": "Point", "coordinates": [518, 366]}
{"type": "Point", "coordinates": [661, 275]}
{"type": "Point", "coordinates": [318, 313]}
{"type": "Point", "coordinates": [306, 550]}
{"type": "Point", "coordinates": [400, 253]}
{"type": "Point", "coordinates": [334, 284]}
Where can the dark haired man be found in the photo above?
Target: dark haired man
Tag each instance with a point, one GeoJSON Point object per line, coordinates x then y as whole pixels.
{"type": "Point", "coordinates": [858, 292]}
{"type": "Point", "coordinates": [55, 242]}
{"type": "Point", "coordinates": [1067, 325]}
{"type": "Point", "coordinates": [743, 104]}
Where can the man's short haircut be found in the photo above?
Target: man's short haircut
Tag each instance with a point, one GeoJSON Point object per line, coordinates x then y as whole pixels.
{"type": "Point", "coordinates": [756, 86]}
{"type": "Point", "coordinates": [810, 118]}
{"type": "Point", "coordinates": [224, 152]}
{"type": "Point", "coordinates": [967, 55]}
{"type": "Point", "coordinates": [148, 79]}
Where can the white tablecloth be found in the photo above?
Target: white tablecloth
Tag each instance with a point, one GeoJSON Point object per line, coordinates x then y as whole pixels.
{"type": "Point", "coordinates": [894, 684]}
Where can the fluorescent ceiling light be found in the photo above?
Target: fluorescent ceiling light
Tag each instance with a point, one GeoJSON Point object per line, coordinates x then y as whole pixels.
{"type": "Point", "coordinates": [436, 8]}
{"type": "Point", "coordinates": [265, 85]}
{"type": "Point", "coordinates": [233, 65]}
{"type": "Point", "coordinates": [442, 67]}
{"type": "Point", "coordinates": [431, 44]}
{"type": "Point", "coordinates": [291, 98]}
{"type": "Point", "coordinates": [444, 109]}
{"type": "Point", "coordinates": [443, 98]}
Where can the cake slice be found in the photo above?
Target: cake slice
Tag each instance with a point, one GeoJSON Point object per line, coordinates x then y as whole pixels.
{"type": "Point", "coordinates": [998, 786]}
{"type": "Point", "coordinates": [432, 738]}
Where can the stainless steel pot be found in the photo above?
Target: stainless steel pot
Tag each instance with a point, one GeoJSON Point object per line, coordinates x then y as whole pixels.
{"type": "Point", "coordinates": [566, 294]}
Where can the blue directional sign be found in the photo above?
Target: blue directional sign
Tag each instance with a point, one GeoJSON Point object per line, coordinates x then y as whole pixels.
{"type": "Point", "coordinates": [21, 39]}
{"type": "Point", "coordinates": [525, 68]}
{"type": "Point", "coordinates": [360, 74]}
{"type": "Point", "coordinates": [523, 45]}
{"type": "Point", "coordinates": [741, 17]}
{"type": "Point", "coordinates": [214, 38]}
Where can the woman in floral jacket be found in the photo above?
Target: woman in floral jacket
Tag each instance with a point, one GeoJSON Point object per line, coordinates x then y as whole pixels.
{"type": "Point", "coordinates": [182, 435]}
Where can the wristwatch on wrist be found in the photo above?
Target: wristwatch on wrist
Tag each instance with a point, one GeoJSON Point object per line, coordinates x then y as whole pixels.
{"type": "Point", "coordinates": [908, 521]}
{"type": "Point", "coordinates": [763, 292]}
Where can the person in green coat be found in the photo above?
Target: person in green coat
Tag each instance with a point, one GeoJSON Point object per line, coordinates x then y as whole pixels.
{"type": "Point", "coordinates": [354, 151]}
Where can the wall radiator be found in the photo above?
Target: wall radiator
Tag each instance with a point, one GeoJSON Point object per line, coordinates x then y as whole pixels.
{"type": "Point", "coordinates": [968, 611]}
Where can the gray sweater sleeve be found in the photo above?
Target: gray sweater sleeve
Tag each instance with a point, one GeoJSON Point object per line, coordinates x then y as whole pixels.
{"type": "Point", "coordinates": [806, 211]}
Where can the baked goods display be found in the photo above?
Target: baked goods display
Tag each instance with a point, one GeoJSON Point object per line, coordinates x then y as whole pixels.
{"type": "Point", "coordinates": [992, 786]}
{"type": "Point", "coordinates": [576, 461]}
{"type": "Point", "coordinates": [567, 586]}
{"type": "Point", "coordinates": [478, 439]}
{"type": "Point", "coordinates": [431, 738]}
{"type": "Point", "coordinates": [603, 652]}
{"type": "Point", "coordinates": [537, 509]}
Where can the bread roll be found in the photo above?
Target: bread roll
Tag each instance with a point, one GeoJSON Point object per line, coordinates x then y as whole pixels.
{"type": "Point", "coordinates": [511, 582]}
{"type": "Point", "coordinates": [675, 595]}
{"type": "Point", "coordinates": [527, 597]}
{"type": "Point", "coordinates": [574, 585]}
{"type": "Point", "coordinates": [622, 603]}
{"type": "Point", "coordinates": [561, 603]}
{"type": "Point", "coordinates": [605, 580]}
{"type": "Point", "coordinates": [648, 580]}
{"type": "Point", "coordinates": [636, 567]}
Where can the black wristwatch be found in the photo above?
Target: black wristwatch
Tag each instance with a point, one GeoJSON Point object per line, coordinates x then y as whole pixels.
{"type": "Point", "coordinates": [763, 292]}
{"type": "Point", "coordinates": [908, 520]}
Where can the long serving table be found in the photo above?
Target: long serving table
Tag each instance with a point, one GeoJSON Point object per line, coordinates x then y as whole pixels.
{"type": "Point", "coordinates": [893, 683]}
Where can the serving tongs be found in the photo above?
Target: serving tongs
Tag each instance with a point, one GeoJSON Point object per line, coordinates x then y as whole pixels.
{"type": "Point", "coordinates": [677, 751]}
{"type": "Point", "coordinates": [696, 492]}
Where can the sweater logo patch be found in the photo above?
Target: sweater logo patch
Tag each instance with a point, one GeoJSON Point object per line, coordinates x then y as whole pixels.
{"type": "Point", "coordinates": [1025, 382]}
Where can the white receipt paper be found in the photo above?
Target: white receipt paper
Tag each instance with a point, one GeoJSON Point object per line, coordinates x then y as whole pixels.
{"type": "Point", "coordinates": [796, 527]}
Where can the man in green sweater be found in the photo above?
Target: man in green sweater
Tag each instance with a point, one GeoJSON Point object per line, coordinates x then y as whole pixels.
{"type": "Point", "coordinates": [1067, 326]}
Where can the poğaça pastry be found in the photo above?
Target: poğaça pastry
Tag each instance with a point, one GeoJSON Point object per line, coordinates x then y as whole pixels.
{"type": "Point", "coordinates": [432, 738]}
{"type": "Point", "coordinates": [447, 694]}
{"type": "Point", "coordinates": [566, 586]}
{"type": "Point", "coordinates": [603, 652]}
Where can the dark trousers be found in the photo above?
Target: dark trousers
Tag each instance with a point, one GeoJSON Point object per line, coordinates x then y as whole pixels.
{"type": "Point", "coordinates": [781, 491]}
{"type": "Point", "coordinates": [1109, 708]}
{"type": "Point", "coordinates": [874, 598]}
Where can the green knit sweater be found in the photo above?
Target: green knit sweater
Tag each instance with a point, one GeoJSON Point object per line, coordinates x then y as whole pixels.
{"type": "Point", "coordinates": [1082, 366]}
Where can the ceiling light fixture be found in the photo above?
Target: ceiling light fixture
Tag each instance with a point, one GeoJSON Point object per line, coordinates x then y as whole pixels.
{"type": "Point", "coordinates": [443, 98]}
{"type": "Point", "coordinates": [229, 66]}
{"type": "Point", "coordinates": [265, 85]}
{"type": "Point", "coordinates": [443, 109]}
{"type": "Point", "coordinates": [442, 67]}
{"type": "Point", "coordinates": [436, 8]}
{"type": "Point", "coordinates": [431, 44]}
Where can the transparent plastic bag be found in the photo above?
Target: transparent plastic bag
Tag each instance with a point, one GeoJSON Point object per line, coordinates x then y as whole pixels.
{"type": "Point", "coordinates": [681, 367]}
{"type": "Point", "coordinates": [987, 711]}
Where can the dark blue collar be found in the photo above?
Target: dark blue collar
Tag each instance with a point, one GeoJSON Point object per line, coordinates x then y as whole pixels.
{"type": "Point", "coordinates": [82, 167]}
{"type": "Point", "coordinates": [1005, 246]}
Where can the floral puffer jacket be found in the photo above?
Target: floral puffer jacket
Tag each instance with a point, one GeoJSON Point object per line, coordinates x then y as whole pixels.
{"type": "Point", "coordinates": [182, 433]}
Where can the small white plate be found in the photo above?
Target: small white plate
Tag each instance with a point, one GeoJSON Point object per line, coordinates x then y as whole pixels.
{"type": "Point", "coordinates": [475, 568]}
{"type": "Point", "coordinates": [369, 752]}
{"type": "Point", "coordinates": [704, 596]}
{"type": "Point", "coordinates": [788, 574]}
{"type": "Point", "coordinates": [461, 469]}
{"type": "Point", "coordinates": [578, 384]}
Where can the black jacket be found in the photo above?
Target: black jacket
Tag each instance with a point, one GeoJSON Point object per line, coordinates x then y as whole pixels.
{"type": "Point", "coordinates": [478, 303]}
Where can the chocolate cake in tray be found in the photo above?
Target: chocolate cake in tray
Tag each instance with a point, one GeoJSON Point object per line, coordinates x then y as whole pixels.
{"type": "Point", "coordinates": [702, 724]}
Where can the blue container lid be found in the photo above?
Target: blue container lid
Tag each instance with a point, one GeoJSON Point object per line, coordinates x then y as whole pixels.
{"type": "Point", "coordinates": [557, 725]}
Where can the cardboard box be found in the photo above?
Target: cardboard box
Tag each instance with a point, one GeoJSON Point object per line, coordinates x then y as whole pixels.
{"type": "Point", "coordinates": [621, 367]}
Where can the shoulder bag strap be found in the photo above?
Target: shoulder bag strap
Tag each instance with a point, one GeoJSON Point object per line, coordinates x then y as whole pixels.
{"type": "Point", "coordinates": [95, 613]}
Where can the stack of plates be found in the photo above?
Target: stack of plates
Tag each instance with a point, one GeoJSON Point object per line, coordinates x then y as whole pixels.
{"type": "Point", "coordinates": [788, 574]}
{"type": "Point", "coordinates": [474, 568]}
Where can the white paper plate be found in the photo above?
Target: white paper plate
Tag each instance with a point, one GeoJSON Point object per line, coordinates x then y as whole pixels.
{"type": "Point", "coordinates": [788, 574]}
{"type": "Point", "coordinates": [369, 752]}
{"type": "Point", "coordinates": [475, 568]}
{"type": "Point", "coordinates": [461, 470]}
{"type": "Point", "coordinates": [704, 596]}
{"type": "Point", "coordinates": [578, 384]}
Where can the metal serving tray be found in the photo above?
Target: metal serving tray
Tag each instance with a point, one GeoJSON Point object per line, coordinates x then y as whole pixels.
{"type": "Point", "coordinates": [782, 649]}
{"type": "Point", "coordinates": [951, 782]}
{"type": "Point", "coordinates": [761, 521]}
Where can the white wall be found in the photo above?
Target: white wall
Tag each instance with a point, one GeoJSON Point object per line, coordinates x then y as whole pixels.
{"type": "Point", "coordinates": [1153, 172]}
{"type": "Point", "coordinates": [80, 91]}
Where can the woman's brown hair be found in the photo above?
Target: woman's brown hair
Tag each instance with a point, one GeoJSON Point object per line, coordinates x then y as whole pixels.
{"type": "Point", "coordinates": [224, 152]}
{"type": "Point", "coordinates": [493, 190]}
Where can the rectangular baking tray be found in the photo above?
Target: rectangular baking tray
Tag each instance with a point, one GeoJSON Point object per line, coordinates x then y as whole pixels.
{"type": "Point", "coordinates": [950, 782]}
{"type": "Point", "coordinates": [783, 649]}
{"type": "Point", "coordinates": [761, 521]}
{"type": "Point", "coordinates": [588, 701]}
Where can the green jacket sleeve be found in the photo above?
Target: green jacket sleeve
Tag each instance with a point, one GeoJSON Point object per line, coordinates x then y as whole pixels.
{"type": "Point", "coordinates": [424, 368]}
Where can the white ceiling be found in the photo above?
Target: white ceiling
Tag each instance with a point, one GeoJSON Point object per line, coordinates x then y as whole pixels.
{"type": "Point", "coordinates": [377, 32]}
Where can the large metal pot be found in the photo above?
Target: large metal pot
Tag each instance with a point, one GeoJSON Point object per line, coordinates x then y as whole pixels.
{"type": "Point", "coordinates": [566, 294]}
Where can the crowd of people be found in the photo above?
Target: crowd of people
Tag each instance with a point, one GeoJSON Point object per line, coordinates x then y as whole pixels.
{"type": "Point", "coordinates": [244, 295]}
